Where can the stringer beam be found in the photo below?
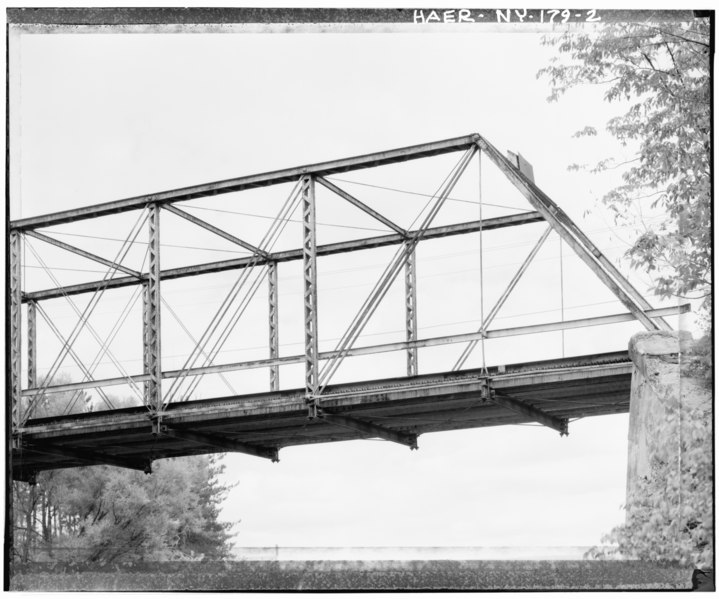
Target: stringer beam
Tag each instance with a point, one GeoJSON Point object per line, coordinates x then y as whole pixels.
{"type": "Point", "coordinates": [362, 206]}
{"type": "Point", "coordinates": [567, 230]}
{"type": "Point", "coordinates": [372, 430]}
{"type": "Point", "coordinates": [86, 456]}
{"type": "Point", "coordinates": [309, 271]}
{"type": "Point", "coordinates": [216, 230]}
{"type": "Point", "coordinates": [223, 443]}
{"type": "Point", "coordinates": [83, 253]}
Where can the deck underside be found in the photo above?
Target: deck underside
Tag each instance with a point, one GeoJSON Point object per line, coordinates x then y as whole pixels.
{"type": "Point", "coordinates": [562, 389]}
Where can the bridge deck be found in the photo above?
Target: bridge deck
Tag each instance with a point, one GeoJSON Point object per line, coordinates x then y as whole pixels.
{"type": "Point", "coordinates": [563, 388]}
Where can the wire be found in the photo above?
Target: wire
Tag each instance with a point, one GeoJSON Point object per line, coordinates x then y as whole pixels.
{"type": "Point", "coordinates": [84, 316]}
{"type": "Point", "coordinates": [416, 193]}
{"type": "Point", "coordinates": [561, 287]}
{"type": "Point", "coordinates": [63, 268]}
{"type": "Point", "coordinates": [481, 268]}
{"type": "Point", "coordinates": [289, 220]}
{"type": "Point", "coordinates": [166, 245]}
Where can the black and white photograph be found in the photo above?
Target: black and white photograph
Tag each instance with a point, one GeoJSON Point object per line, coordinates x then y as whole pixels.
{"type": "Point", "coordinates": [340, 299]}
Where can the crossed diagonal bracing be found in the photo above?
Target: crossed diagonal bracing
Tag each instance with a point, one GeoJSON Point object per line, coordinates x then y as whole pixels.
{"type": "Point", "coordinates": [263, 263]}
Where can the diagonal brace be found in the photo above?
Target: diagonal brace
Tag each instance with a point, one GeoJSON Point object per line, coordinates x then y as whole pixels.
{"type": "Point", "coordinates": [219, 442]}
{"type": "Point", "coordinates": [362, 206]}
{"type": "Point", "coordinates": [373, 430]}
{"type": "Point", "coordinates": [216, 230]}
{"type": "Point", "coordinates": [573, 236]}
{"type": "Point", "coordinates": [558, 424]}
{"type": "Point", "coordinates": [83, 253]}
{"type": "Point", "coordinates": [86, 456]}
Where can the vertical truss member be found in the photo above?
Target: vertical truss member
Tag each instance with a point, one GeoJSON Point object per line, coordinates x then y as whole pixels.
{"type": "Point", "coordinates": [32, 308]}
{"type": "Point", "coordinates": [15, 328]}
{"type": "Point", "coordinates": [309, 272]}
{"type": "Point", "coordinates": [410, 289]}
{"type": "Point", "coordinates": [152, 349]}
{"type": "Point", "coordinates": [274, 325]}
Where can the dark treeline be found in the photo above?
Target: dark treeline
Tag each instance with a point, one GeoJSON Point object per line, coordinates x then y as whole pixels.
{"type": "Point", "coordinates": [104, 514]}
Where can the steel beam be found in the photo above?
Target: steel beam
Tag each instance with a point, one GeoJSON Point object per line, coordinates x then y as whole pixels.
{"type": "Point", "coordinates": [216, 230]}
{"type": "Point", "coordinates": [15, 349]}
{"type": "Point", "coordinates": [32, 344]}
{"type": "Point", "coordinates": [560, 425]}
{"type": "Point", "coordinates": [290, 255]}
{"type": "Point", "coordinates": [321, 169]}
{"type": "Point", "coordinates": [83, 253]}
{"type": "Point", "coordinates": [375, 349]}
{"type": "Point", "coordinates": [410, 289]}
{"type": "Point", "coordinates": [370, 429]}
{"type": "Point", "coordinates": [362, 206]}
{"type": "Point", "coordinates": [152, 332]}
{"type": "Point", "coordinates": [309, 271]}
{"type": "Point", "coordinates": [274, 325]}
{"type": "Point", "coordinates": [223, 443]}
{"type": "Point", "coordinates": [85, 456]}
{"type": "Point", "coordinates": [561, 223]}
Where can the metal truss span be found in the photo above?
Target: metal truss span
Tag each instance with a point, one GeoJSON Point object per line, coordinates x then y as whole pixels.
{"type": "Point", "coordinates": [169, 423]}
{"type": "Point", "coordinates": [546, 393]}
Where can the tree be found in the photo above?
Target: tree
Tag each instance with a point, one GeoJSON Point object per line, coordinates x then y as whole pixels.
{"type": "Point", "coordinates": [662, 70]}
{"type": "Point", "coordinates": [670, 514]}
{"type": "Point", "coordinates": [103, 514]}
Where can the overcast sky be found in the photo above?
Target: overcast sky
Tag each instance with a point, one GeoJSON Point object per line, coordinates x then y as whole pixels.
{"type": "Point", "coordinates": [106, 116]}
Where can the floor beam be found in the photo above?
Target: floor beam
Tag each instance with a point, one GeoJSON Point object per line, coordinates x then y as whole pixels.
{"type": "Point", "coordinates": [223, 443]}
{"type": "Point", "coordinates": [561, 425]}
{"type": "Point", "coordinates": [370, 429]}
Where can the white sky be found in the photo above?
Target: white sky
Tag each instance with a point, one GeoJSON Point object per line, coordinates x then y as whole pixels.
{"type": "Point", "coordinates": [102, 117]}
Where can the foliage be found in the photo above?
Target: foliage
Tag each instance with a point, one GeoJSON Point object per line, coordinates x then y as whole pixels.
{"type": "Point", "coordinates": [670, 512]}
{"type": "Point", "coordinates": [662, 71]}
{"type": "Point", "coordinates": [102, 514]}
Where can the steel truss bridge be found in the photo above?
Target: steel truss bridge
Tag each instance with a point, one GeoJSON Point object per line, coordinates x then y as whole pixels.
{"type": "Point", "coordinates": [550, 392]}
